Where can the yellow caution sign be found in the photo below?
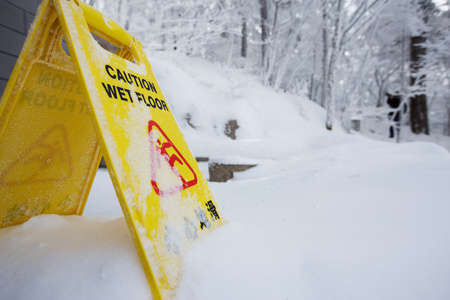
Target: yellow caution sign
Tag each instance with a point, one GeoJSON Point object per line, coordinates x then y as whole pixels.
{"type": "Point", "coordinates": [59, 110]}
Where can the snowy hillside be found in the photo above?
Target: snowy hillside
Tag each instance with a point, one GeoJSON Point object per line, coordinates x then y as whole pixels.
{"type": "Point", "coordinates": [324, 215]}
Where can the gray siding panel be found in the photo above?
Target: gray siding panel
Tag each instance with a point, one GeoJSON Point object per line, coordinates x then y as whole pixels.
{"type": "Point", "coordinates": [12, 41]}
{"type": "Point", "coordinates": [12, 17]}
{"type": "Point", "coordinates": [27, 5]}
{"type": "Point", "coordinates": [8, 63]}
{"type": "Point", "coordinates": [16, 17]}
{"type": "Point", "coordinates": [2, 86]}
{"type": "Point", "coordinates": [29, 18]}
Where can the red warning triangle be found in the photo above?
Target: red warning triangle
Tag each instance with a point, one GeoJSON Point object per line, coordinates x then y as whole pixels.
{"type": "Point", "coordinates": [47, 159]}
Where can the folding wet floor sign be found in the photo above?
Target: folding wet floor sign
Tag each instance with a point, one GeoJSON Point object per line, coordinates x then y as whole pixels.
{"type": "Point", "coordinates": [62, 110]}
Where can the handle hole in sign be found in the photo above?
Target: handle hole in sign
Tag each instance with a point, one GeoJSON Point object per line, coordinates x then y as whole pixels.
{"type": "Point", "coordinates": [115, 47]}
{"type": "Point", "coordinates": [123, 51]}
{"type": "Point", "coordinates": [108, 46]}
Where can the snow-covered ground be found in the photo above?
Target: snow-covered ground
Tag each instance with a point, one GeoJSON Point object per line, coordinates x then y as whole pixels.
{"type": "Point", "coordinates": [323, 215]}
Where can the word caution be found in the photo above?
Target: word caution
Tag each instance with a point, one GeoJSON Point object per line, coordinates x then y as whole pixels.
{"type": "Point", "coordinates": [125, 94]}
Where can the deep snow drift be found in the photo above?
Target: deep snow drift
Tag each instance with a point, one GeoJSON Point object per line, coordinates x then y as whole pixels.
{"type": "Point", "coordinates": [323, 215]}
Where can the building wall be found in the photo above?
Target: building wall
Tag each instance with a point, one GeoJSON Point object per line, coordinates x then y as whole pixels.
{"type": "Point", "coordinates": [16, 17]}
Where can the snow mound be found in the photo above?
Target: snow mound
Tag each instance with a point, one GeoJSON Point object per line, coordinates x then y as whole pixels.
{"type": "Point", "coordinates": [205, 96]}
{"type": "Point", "coordinates": [70, 257]}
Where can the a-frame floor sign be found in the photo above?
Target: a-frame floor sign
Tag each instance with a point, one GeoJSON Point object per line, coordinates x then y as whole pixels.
{"type": "Point", "coordinates": [60, 112]}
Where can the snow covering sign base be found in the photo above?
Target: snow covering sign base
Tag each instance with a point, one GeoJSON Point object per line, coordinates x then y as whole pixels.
{"type": "Point", "coordinates": [63, 109]}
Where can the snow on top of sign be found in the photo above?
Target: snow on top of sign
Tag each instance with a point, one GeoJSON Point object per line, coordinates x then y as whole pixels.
{"type": "Point", "coordinates": [136, 153]}
{"type": "Point", "coordinates": [108, 21]}
{"type": "Point", "coordinates": [149, 249]}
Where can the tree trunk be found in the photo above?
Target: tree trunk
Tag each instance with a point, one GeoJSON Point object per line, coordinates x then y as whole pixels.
{"type": "Point", "coordinates": [311, 94]}
{"type": "Point", "coordinates": [230, 53]}
{"type": "Point", "coordinates": [244, 38]}
{"type": "Point", "coordinates": [126, 26]}
{"type": "Point", "coordinates": [331, 101]}
{"type": "Point", "coordinates": [271, 54]}
{"type": "Point", "coordinates": [448, 121]}
{"type": "Point", "coordinates": [289, 51]}
{"type": "Point", "coordinates": [323, 95]}
{"type": "Point", "coordinates": [264, 30]}
{"type": "Point", "coordinates": [418, 102]}
{"type": "Point", "coordinates": [119, 11]}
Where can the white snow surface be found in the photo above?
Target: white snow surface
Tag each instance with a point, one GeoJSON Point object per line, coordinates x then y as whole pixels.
{"type": "Point", "coordinates": [324, 215]}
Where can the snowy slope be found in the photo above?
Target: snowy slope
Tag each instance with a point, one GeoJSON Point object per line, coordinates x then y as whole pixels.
{"type": "Point", "coordinates": [323, 216]}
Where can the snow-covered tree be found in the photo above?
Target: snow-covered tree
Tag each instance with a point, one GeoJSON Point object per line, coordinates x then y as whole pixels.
{"type": "Point", "coordinates": [343, 54]}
